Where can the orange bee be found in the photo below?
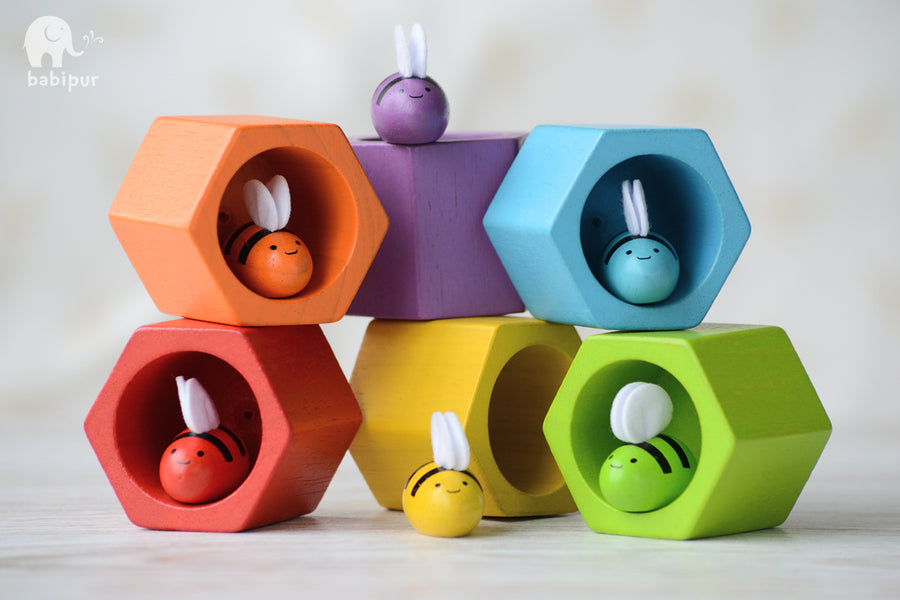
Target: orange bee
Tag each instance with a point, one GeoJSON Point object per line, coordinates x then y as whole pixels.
{"type": "Point", "coordinates": [263, 255]}
{"type": "Point", "coordinates": [205, 462]}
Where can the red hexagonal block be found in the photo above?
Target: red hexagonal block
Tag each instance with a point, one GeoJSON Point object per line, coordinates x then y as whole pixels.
{"type": "Point", "coordinates": [280, 389]}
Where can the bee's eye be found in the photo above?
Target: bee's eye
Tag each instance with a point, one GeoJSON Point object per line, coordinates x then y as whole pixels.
{"type": "Point", "coordinates": [273, 247]}
{"type": "Point", "coordinates": [200, 453]}
{"type": "Point", "coordinates": [628, 252]}
{"type": "Point", "coordinates": [634, 460]}
{"type": "Point", "coordinates": [437, 485]}
{"type": "Point", "coordinates": [656, 250]}
{"type": "Point", "coordinates": [428, 89]}
{"type": "Point", "coordinates": [174, 450]}
{"type": "Point", "coordinates": [465, 483]}
{"type": "Point", "coordinates": [400, 90]}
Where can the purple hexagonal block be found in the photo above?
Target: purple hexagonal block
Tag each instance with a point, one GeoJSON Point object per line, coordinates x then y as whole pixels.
{"type": "Point", "coordinates": [436, 261]}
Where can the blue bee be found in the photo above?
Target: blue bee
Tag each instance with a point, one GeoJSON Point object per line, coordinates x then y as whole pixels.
{"type": "Point", "coordinates": [638, 266]}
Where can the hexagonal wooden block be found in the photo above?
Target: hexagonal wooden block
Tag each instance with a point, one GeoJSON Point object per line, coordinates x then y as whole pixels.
{"type": "Point", "coordinates": [436, 261]}
{"type": "Point", "coordinates": [182, 198]}
{"type": "Point", "coordinates": [561, 204]}
{"type": "Point", "coordinates": [743, 405]}
{"type": "Point", "coordinates": [498, 374]}
{"type": "Point", "coordinates": [279, 388]}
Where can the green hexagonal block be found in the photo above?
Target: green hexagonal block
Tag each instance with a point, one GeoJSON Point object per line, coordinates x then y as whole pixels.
{"type": "Point", "coordinates": [743, 404]}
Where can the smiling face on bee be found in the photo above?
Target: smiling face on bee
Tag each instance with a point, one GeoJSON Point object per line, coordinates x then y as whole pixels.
{"type": "Point", "coordinates": [198, 468]}
{"type": "Point", "coordinates": [646, 476]}
{"type": "Point", "coordinates": [408, 107]}
{"type": "Point", "coordinates": [265, 257]}
{"type": "Point", "coordinates": [651, 469]}
{"type": "Point", "coordinates": [443, 502]}
{"type": "Point", "coordinates": [442, 498]}
{"type": "Point", "coordinates": [639, 267]}
{"type": "Point", "coordinates": [206, 461]}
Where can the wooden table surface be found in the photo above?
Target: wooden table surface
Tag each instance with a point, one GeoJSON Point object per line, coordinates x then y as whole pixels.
{"type": "Point", "coordinates": [63, 534]}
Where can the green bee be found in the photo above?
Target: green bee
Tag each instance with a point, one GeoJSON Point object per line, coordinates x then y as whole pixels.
{"type": "Point", "coordinates": [651, 469]}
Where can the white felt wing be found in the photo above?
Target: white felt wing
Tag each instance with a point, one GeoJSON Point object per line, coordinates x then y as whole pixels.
{"type": "Point", "coordinates": [640, 411]}
{"type": "Point", "coordinates": [197, 407]}
{"type": "Point", "coordinates": [634, 204]}
{"type": "Point", "coordinates": [448, 442]}
{"type": "Point", "coordinates": [281, 196]}
{"type": "Point", "coordinates": [260, 205]}
{"type": "Point", "coordinates": [418, 51]}
{"type": "Point", "coordinates": [404, 65]}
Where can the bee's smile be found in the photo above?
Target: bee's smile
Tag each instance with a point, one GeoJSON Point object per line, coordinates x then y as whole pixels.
{"type": "Point", "coordinates": [296, 251]}
{"type": "Point", "coordinates": [456, 491]}
{"type": "Point", "coordinates": [642, 257]}
{"type": "Point", "coordinates": [615, 466]}
{"type": "Point", "coordinates": [183, 462]}
{"type": "Point", "coordinates": [419, 96]}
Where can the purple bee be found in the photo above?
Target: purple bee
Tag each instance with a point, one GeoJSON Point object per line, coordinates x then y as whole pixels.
{"type": "Point", "coordinates": [409, 107]}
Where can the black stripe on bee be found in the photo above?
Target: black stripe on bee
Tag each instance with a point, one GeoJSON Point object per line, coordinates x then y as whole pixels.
{"type": "Point", "coordinates": [212, 440]}
{"type": "Point", "coordinates": [650, 236]}
{"type": "Point", "coordinates": [236, 439]}
{"type": "Point", "coordinates": [655, 453]}
{"type": "Point", "coordinates": [682, 455]}
{"type": "Point", "coordinates": [248, 245]}
{"type": "Point", "coordinates": [660, 457]}
{"type": "Point", "coordinates": [234, 237]}
{"type": "Point", "coordinates": [428, 474]}
{"type": "Point", "coordinates": [397, 80]}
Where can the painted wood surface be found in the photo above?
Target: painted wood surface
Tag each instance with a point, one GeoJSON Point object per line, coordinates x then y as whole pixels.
{"type": "Point", "coordinates": [560, 205]}
{"type": "Point", "coordinates": [743, 405]}
{"type": "Point", "coordinates": [498, 374]}
{"type": "Point", "coordinates": [182, 198]}
{"type": "Point", "coordinates": [279, 388]}
{"type": "Point", "coordinates": [436, 261]}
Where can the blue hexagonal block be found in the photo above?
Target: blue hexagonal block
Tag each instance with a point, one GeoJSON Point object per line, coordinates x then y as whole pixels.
{"type": "Point", "coordinates": [560, 204]}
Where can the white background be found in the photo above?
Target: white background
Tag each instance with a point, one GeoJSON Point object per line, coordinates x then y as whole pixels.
{"type": "Point", "coordinates": [800, 98]}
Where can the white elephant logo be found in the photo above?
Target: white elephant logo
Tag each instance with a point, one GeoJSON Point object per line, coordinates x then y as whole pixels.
{"type": "Point", "coordinates": [49, 35]}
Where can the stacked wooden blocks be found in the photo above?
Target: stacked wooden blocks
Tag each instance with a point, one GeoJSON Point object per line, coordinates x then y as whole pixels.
{"type": "Point", "coordinates": [743, 403]}
{"type": "Point", "coordinates": [440, 342]}
{"type": "Point", "coordinates": [278, 387]}
{"type": "Point", "coordinates": [479, 229]}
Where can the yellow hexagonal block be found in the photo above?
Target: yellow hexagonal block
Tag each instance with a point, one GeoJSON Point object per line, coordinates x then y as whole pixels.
{"type": "Point", "coordinates": [498, 374]}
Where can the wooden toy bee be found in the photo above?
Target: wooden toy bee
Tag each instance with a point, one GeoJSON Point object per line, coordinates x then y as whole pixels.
{"type": "Point", "coordinates": [652, 469]}
{"type": "Point", "coordinates": [205, 462]}
{"type": "Point", "coordinates": [263, 255]}
{"type": "Point", "coordinates": [409, 107]}
{"type": "Point", "coordinates": [442, 498]}
{"type": "Point", "coordinates": [639, 267]}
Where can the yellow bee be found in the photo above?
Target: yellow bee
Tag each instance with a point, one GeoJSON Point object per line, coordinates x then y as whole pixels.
{"type": "Point", "coordinates": [442, 498]}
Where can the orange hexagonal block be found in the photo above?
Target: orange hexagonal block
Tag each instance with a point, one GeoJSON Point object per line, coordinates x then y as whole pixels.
{"type": "Point", "coordinates": [280, 389]}
{"type": "Point", "coordinates": [182, 198]}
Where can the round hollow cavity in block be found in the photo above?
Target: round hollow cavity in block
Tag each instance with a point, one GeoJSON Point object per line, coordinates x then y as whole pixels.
{"type": "Point", "coordinates": [755, 439]}
{"type": "Point", "coordinates": [182, 198]}
{"type": "Point", "coordinates": [280, 388]}
{"type": "Point", "coordinates": [560, 205]}
{"type": "Point", "coordinates": [498, 374]}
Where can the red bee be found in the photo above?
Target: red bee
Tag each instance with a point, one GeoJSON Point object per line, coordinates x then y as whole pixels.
{"type": "Point", "coordinates": [206, 461]}
{"type": "Point", "coordinates": [263, 255]}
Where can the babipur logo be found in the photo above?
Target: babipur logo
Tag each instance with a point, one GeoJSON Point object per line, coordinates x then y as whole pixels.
{"type": "Point", "coordinates": [50, 36]}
